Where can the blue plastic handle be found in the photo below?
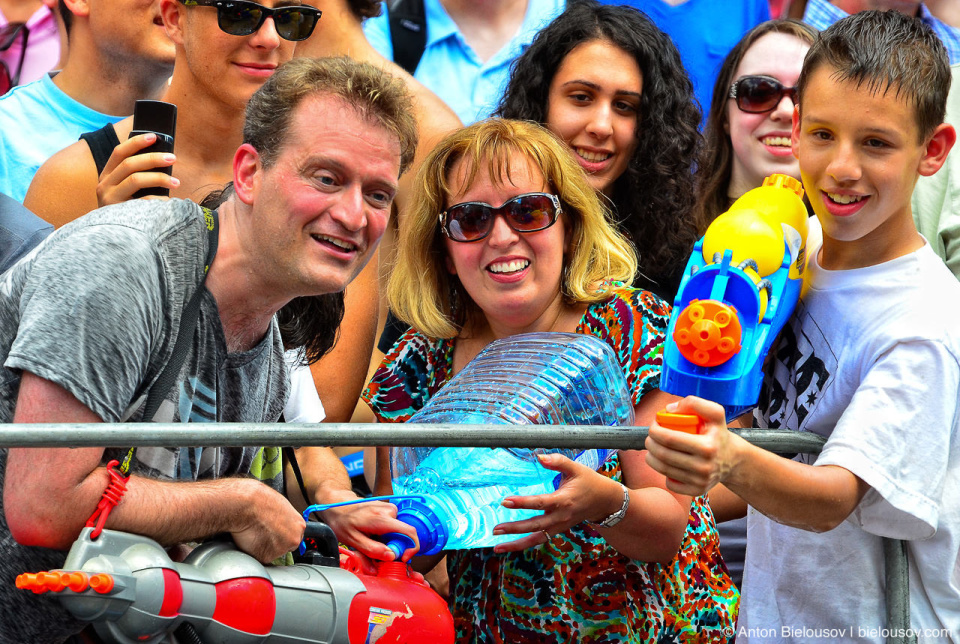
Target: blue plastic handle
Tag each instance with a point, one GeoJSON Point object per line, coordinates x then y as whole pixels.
{"type": "Point", "coordinates": [428, 534]}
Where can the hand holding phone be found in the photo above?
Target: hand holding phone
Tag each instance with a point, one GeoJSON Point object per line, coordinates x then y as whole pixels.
{"type": "Point", "coordinates": [161, 119]}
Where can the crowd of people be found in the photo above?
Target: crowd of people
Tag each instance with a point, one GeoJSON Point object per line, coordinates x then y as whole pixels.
{"type": "Point", "coordinates": [364, 197]}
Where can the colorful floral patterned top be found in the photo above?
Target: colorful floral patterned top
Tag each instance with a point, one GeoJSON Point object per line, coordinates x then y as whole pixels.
{"type": "Point", "coordinates": [575, 588]}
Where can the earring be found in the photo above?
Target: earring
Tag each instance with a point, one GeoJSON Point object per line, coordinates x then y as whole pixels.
{"type": "Point", "coordinates": [565, 280]}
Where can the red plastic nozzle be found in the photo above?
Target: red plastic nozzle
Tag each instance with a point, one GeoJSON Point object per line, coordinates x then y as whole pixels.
{"type": "Point", "coordinates": [101, 583]}
{"type": "Point", "coordinates": [53, 581]}
{"type": "Point", "coordinates": [392, 569]}
{"type": "Point", "coordinates": [75, 581]}
{"type": "Point", "coordinates": [708, 332]}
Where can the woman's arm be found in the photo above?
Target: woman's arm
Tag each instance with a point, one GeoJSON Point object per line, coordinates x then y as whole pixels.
{"type": "Point", "coordinates": [655, 520]}
{"type": "Point", "coordinates": [662, 515]}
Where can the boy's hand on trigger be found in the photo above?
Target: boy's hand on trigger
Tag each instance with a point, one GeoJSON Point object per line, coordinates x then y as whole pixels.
{"type": "Point", "coordinates": [693, 463]}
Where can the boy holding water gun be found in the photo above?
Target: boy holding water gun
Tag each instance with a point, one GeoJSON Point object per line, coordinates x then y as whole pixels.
{"type": "Point", "coordinates": [870, 361]}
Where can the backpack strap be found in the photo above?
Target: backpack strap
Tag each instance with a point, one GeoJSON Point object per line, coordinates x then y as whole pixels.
{"type": "Point", "coordinates": [188, 323]}
{"type": "Point", "coordinates": [408, 32]}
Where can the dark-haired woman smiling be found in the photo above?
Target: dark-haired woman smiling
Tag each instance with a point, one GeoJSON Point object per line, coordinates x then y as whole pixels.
{"type": "Point", "coordinates": [612, 86]}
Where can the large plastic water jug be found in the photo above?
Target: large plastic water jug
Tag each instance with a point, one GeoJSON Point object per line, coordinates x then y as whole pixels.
{"type": "Point", "coordinates": [536, 378]}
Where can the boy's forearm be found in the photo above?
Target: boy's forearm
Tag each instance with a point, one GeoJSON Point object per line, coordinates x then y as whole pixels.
{"type": "Point", "coordinates": [791, 493]}
{"type": "Point", "coordinates": [794, 494]}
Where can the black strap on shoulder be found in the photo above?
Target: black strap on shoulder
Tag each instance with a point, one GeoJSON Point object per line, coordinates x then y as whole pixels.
{"type": "Point", "coordinates": [291, 456]}
{"type": "Point", "coordinates": [408, 32]}
{"type": "Point", "coordinates": [188, 322]}
{"type": "Point", "coordinates": [101, 142]}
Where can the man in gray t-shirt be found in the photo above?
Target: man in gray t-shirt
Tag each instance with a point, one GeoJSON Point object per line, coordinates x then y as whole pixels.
{"type": "Point", "coordinates": [89, 319]}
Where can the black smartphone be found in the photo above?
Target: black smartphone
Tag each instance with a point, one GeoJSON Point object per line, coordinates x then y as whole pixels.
{"type": "Point", "coordinates": [161, 119]}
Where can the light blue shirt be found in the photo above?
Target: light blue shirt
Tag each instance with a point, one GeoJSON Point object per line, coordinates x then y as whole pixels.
{"type": "Point", "coordinates": [820, 14]}
{"type": "Point", "coordinates": [452, 70]}
{"type": "Point", "coordinates": [37, 120]}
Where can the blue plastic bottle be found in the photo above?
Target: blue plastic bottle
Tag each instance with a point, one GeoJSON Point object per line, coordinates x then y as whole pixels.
{"type": "Point", "coordinates": [537, 378]}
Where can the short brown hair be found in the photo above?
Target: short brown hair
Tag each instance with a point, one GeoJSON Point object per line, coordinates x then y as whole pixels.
{"type": "Point", "coordinates": [421, 291]}
{"type": "Point", "coordinates": [886, 50]}
{"type": "Point", "coordinates": [313, 322]}
{"type": "Point", "coordinates": [374, 93]}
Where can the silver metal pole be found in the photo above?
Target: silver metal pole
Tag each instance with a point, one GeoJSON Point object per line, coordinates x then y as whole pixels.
{"type": "Point", "coordinates": [335, 434]}
{"type": "Point", "coordinates": [417, 435]}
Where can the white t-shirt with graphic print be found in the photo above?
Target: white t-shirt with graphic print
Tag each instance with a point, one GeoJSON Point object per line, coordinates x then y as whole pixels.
{"type": "Point", "coordinates": [871, 361]}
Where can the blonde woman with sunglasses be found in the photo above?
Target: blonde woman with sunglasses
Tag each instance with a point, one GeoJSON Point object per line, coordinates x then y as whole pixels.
{"type": "Point", "coordinates": [507, 236]}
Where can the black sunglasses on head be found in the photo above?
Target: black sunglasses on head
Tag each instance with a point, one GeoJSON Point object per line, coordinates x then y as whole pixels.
{"type": "Point", "coordinates": [473, 220]}
{"type": "Point", "coordinates": [758, 94]}
{"type": "Point", "coordinates": [9, 34]}
{"type": "Point", "coordinates": [242, 18]}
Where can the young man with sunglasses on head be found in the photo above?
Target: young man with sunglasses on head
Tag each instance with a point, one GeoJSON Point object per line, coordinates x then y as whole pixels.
{"type": "Point", "coordinates": [118, 53]}
{"type": "Point", "coordinates": [88, 322]}
{"type": "Point", "coordinates": [224, 52]}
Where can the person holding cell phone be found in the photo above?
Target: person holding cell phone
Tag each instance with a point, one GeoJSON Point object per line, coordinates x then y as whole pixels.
{"type": "Point", "coordinates": [224, 52]}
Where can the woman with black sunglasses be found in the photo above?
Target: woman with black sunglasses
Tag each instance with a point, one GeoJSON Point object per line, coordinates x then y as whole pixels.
{"type": "Point", "coordinates": [748, 127]}
{"type": "Point", "coordinates": [508, 236]}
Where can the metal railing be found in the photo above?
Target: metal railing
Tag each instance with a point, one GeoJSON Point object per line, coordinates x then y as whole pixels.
{"type": "Point", "coordinates": [433, 435]}
{"type": "Point", "coordinates": [346, 434]}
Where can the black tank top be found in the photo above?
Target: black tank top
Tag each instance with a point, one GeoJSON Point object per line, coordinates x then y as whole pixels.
{"type": "Point", "coordinates": [101, 142]}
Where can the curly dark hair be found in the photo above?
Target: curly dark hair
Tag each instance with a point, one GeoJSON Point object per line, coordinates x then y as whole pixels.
{"type": "Point", "coordinates": [310, 324]}
{"type": "Point", "coordinates": [717, 162]}
{"type": "Point", "coordinates": [654, 198]}
{"type": "Point", "coordinates": [364, 9]}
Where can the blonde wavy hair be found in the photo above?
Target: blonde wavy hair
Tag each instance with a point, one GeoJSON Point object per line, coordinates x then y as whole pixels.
{"type": "Point", "coordinates": [424, 294]}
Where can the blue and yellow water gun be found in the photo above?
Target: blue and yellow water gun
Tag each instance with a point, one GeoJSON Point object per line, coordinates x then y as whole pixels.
{"type": "Point", "coordinates": [740, 286]}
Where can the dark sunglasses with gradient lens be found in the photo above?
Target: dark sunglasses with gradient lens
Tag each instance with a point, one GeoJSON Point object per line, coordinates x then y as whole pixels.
{"type": "Point", "coordinates": [14, 33]}
{"type": "Point", "coordinates": [242, 18]}
{"type": "Point", "coordinates": [758, 94]}
{"type": "Point", "coordinates": [473, 220]}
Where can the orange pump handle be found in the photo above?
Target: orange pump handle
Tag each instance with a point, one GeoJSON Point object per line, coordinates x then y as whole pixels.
{"type": "Point", "coordinates": [689, 423]}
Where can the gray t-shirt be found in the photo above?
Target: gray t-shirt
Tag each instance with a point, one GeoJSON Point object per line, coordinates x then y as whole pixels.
{"type": "Point", "coordinates": [96, 308]}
